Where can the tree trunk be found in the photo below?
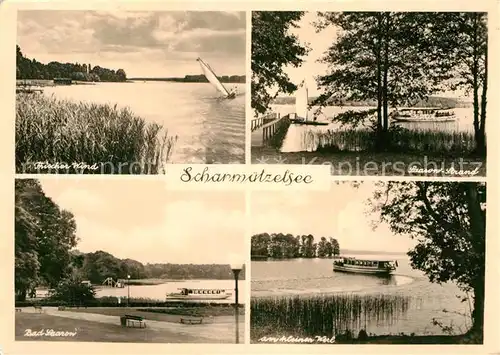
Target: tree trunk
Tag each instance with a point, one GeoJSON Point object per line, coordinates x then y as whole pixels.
{"type": "Point", "coordinates": [478, 235]}
{"type": "Point", "coordinates": [475, 85]}
{"type": "Point", "coordinates": [478, 312]}
{"type": "Point", "coordinates": [481, 143]}
{"type": "Point", "coordinates": [380, 130]}
{"type": "Point", "coordinates": [385, 79]}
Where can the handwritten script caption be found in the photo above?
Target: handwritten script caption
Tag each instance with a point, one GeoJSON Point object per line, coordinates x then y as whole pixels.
{"type": "Point", "coordinates": [250, 177]}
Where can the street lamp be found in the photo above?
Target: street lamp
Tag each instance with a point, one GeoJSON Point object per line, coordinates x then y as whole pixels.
{"type": "Point", "coordinates": [236, 267]}
{"type": "Point", "coordinates": [128, 290]}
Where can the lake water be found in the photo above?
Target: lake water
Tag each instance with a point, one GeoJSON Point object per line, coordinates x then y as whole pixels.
{"type": "Point", "coordinates": [209, 130]}
{"type": "Point", "coordinates": [159, 292]}
{"type": "Point", "coordinates": [295, 139]}
{"type": "Point", "coordinates": [315, 277]}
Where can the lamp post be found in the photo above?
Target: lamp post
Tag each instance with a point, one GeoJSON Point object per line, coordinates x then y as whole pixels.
{"type": "Point", "coordinates": [128, 290]}
{"type": "Point", "coordinates": [236, 272]}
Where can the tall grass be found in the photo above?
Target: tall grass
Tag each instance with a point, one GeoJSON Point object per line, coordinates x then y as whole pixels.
{"type": "Point", "coordinates": [400, 140]}
{"type": "Point", "coordinates": [60, 131]}
{"type": "Point", "coordinates": [325, 315]}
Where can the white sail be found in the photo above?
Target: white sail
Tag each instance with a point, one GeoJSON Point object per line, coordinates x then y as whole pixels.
{"type": "Point", "coordinates": [212, 78]}
{"type": "Point", "coordinates": [301, 101]}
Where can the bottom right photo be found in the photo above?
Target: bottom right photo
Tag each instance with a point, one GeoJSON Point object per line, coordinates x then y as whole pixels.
{"type": "Point", "coordinates": [386, 262]}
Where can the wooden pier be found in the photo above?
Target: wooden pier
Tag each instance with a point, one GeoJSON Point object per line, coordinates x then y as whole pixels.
{"type": "Point", "coordinates": [267, 127]}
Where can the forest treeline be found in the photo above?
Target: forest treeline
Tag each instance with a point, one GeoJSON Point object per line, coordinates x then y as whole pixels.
{"type": "Point", "coordinates": [32, 69]}
{"type": "Point", "coordinates": [288, 246]}
{"type": "Point", "coordinates": [99, 265]}
{"type": "Point", "coordinates": [433, 101]}
{"type": "Point", "coordinates": [230, 79]}
{"type": "Point", "coordinates": [46, 255]}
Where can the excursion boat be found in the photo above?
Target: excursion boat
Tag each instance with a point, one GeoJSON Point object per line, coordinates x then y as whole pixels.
{"type": "Point", "coordinates": [301, 115]}
{"type": "Point", "coordinates": [214, 80]}
{"type": "Point", "coordinates": [424, 114]}
{"type": "Point", "coordinates": [365, 266]}
{"type": "Point", "coordinates": [199, 294]}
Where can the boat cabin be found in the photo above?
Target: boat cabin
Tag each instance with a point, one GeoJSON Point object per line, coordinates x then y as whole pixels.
{"type": "Point", "coordinates": [379, 264]}
{"type": "Point", "coordinates": [425, 112]}
{"type": "Point", "coordinates": [189, 291]}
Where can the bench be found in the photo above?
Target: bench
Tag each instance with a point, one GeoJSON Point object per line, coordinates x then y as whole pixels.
{"type": "Point", "coordinates": [192, 320]}
{"type": "Point", "coordinates": [61, 308]}
{"type": "Point", "coordinates": [38, 308]}
{"type": "Point", "coordinates": [131, 319]}
{"type": "Point", "coordinates": [19, 310]}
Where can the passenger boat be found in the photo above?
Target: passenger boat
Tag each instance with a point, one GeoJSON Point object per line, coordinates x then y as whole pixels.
{"type": "Point", "coordinates": [214, 80]}
{"type": "Point", "coordinates": [199, 294]}
{"type": "Point", "coordinates": [365, 266]}
{"type": "Point", "coordinates": [425, 114]}
{"type": "Point", "coordinates": [301, 115]}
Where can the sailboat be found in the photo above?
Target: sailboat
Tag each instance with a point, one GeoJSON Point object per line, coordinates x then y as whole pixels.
{"type": "Point", "coordinates": [212, 78]}
{"type": "Point", "coordinates": [302, 107]}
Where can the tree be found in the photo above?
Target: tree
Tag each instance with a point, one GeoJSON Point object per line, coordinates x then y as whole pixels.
{"type": "Point", "coordinates": [322, 248]}
{"type": "Point", "coordinates": [335, 246]}
{"type": "Point", "coordinates": [464, 38]}
{"type": "Point", "coordinates": [448, 219]}
{"type": "Point", "coordinates": [273, 48]}
{"type": "Point", "coordinates": [120, 74]}
{"type": "Point", "coordinates": [44, 236]}
{"type": "Point", "coordinates": [390, 57]}
{"type": "Point", "coordinates": [74, 292]}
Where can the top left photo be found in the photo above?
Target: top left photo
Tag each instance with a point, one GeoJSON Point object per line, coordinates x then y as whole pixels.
{"type": "Point", "coordinates": [128, 92]}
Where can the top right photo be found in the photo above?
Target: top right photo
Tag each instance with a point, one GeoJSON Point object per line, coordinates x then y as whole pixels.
{"type": "Point", "coordinates": [371, 93]}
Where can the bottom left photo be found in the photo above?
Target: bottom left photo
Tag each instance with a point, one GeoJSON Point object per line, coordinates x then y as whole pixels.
{"type": "Point", "coordinates": [106, 260]}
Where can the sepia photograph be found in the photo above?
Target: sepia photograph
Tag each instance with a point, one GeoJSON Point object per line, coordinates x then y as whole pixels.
{"type": "Point", "coordinates": [120, 261]}
{"type": "Point", "coordinates": [127, 92]}
{"type": "Point", "coordinates": [371, 93]}
{"type": "Point", "coordinates": [369, 263]}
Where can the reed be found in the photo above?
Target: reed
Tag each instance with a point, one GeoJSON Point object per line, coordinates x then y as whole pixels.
{"type": "Point", "coordinates": [60, 131]}
{"type": "Point", "coordinates": [325, 315]}
{"type": "Point", "coordinates": [399, 140]}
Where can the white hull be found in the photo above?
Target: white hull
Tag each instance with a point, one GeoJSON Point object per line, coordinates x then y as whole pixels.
{"type": "Point", "coordinates": [416, 119]}
{"type": "Point", "coordinates": [363, 270]}
{"type": "Point", "coordinates": [197, 297]}
{"type": "Point", "coordinates": [301, 102]}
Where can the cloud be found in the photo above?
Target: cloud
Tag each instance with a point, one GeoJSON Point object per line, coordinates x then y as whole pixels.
{"type": "Point", "coordinates": [174, 35]}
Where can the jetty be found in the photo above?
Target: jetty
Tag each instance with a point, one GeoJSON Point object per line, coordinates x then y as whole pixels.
{"type": "Point", "coordinates": [269, 129]}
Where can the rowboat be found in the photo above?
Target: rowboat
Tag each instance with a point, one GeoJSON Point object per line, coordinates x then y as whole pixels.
{"type": "Point", "coordinates": [424, 115]}
{"type": "Point", "coordinates": [364, 266]}
{"type": "Point", "coordinates": [214, 80]}
{"type": "Point", "coordinates": [199, 294]}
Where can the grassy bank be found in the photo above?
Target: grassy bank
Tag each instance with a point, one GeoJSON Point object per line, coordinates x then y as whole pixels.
{"type": "Point", "coordinates": [268, 335]}
{"type": "Point", "coordinates": [170, 314]}
{"type": "Point", "coordinates": [103, 137]}
{"type": "Point", "coordinates": [94, 331]}
{"type": "Point", "coordinates": [342, 317]}
{"type": "Point", "coordinates": [111, 301]}
{"type": "Point", "coordinates": [325, 315]}
{"type": "Point", "coordinates": [398, 140]}
{"type": "Point", "coordinates": [373, 164]}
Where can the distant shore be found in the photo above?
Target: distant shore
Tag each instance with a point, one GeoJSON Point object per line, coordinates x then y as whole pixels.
{"type": "Point", "coordinates": [432, 101]}
{"type": "Point", "coordinates": [225, 79]}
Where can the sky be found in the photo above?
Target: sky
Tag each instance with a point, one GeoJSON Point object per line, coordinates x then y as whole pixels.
{"type": "Point", "coordinates": [339, 213]}
{"type": "Point", "coordinates": [318, 43]}
{"type": "Point", "coordinates": [144, 44]}
{"type": "Point", "coordinates": [144, 221]}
